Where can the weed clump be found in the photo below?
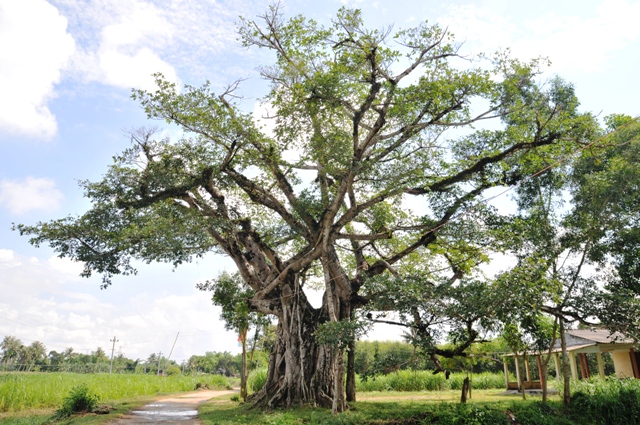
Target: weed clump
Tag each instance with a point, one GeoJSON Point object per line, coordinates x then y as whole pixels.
{"type": "Point", "coordinates": [257, 379]}
{"type": "Point", "coordinates": [613, 401]}
{"type": "Point", "coordinates": [78, 400]}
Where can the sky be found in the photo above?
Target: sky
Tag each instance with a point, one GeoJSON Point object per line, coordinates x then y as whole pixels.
{"type": "Point", "coordinates": [67, 68]}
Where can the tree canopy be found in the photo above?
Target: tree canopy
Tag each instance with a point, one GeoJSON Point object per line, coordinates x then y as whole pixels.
{"type": "Point", "coordinates": [370, 182]}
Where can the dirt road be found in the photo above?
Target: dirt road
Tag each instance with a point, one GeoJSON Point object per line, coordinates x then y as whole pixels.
{"type": "Point", "coordinates": [181, 409]}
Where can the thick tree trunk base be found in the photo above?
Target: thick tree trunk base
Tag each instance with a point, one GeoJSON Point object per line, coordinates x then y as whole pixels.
{"type": "Point", "coordinates": [300, 371]}
{"type": "Point", "coordinates": [351, 372]}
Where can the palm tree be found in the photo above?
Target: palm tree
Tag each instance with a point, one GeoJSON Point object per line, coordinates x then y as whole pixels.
{"type": "Point", "coordinates": [10, 347]}
{"type": "Point", "coordinates": [100, 355]}
{"type": "Point", "coordinates": [68, 356]}
{"type": "Point", "coordinates": [38, 353]}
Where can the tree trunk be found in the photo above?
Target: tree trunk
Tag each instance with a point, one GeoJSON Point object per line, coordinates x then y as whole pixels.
{"type": "Point", "coordinates": [351, 371]}
{"type": "Point", "coordinates": [338, 403]}
{"type": "Point", "coordinates": [300, 371]}
{"type": "Point", "coordinates": [243, 372]}
{"type": "Point", "coordinates": [465, 390]}
{"type": "Point", "coordinates": [543, 379]}
{"type": "Point", "coordinates": [519, 375]}
{"type": "Point", "coordinates": [566, 374]}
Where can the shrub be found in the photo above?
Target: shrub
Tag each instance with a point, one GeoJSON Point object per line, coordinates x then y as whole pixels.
{"type": "Point", "coordinates": [174, 370]}
{"type": "Point", "coordinates": [466, 414]}
{"type": "Point", "coordinates": [538, 413]}
{"type": "Point", "coordinates": [612, 401]}
{"type": "Point", "coordinates": [257, 379]}
{"type": "Point", "coordinates": [406, 380]}
{"type": "Point", "coordinates": [78, 400]}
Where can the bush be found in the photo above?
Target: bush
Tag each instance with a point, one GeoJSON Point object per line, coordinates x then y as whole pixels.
{"type": "Point", "coordinates": [257, 379]}
{"type": "Point", "coordinates": [78, 400]}
{"type": "Point", "coordinates": [174, 370]}
{"type": "Point", "coordinates": [612, 401]}
{"type": "Point", "coordinates": [406, 380]}
{"type": "Point", "coordinates": [470, 414]}
{"type": "Point", "coordinates": [538, 413]}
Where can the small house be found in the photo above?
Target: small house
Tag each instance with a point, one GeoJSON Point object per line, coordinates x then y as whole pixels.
{"type": "Point", "coordinates": [580, 344]}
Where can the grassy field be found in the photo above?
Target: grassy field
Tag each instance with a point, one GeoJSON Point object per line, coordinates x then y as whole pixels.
{"type": "Point", "coordinates": [425, 380]}
{"type": "Point", "coordinates": [406, 380]}
{"type": "Point", "coordinates": [595, 402]}
{"type": "Point", "coordinates": [620, 405]}
{"type": "Point", "coordinates": [447, 396]}
{"type": "Point", "coordinates": [23, 391]}
{"type": "Point", "coordinates": [43, 416]}
{"type": "Point", "coordinates": [379, 408]}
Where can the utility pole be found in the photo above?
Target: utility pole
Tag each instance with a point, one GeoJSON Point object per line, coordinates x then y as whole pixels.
{"type": "Point", "coordinates": [159, 357]}
{"type": "Point", "coordinates": [113, 348]}
{"type": "Point", "coordinates": [172, 347]}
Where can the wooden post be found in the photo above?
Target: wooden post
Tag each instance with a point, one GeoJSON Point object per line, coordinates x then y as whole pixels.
{"type": "Point", "coordinates": [572, 364]}
{"type": "Point", "coordinates": [586, 365]}
{"type": "Point", "coordinates": [600, 365]}
{"type": "Point", "coordinates": [542, 378]}
{"type": "Point", "coordinates": [518, 377]}
{"type": "Point", "coordinates": [527, 369]}
{"type": "Point", "coordinates": [506, 372]}
{"type": "Point", "coordinates": [556, 361]}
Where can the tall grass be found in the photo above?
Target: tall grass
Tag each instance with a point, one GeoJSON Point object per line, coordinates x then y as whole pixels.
{"type": "Point", "coordinates": [611, 401]}
{"type": "Point", "coordinates": [256, 380]}
{"type": "Point", "coordinates": [20, 391]}
{"type": "Point", "coordinates": [406, 380]}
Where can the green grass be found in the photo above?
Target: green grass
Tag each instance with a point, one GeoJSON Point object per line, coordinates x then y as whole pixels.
{"type": "Point", "coordinates": [613, 401]}
{"type": "Point", "coordinates": [256, 380]}
{"type": "Point", "coordinates": [44, 416]}
{"type": "Point", "coordinates": [449, 396]}
{"type": "Point", "coordinates": [20, 391]}
{"type": "Point", "coordinates": [594, 403]}
{"type": "Point", "coordinates": [406, 380]}
{"type": "Point", "coordinates": [487, 407]}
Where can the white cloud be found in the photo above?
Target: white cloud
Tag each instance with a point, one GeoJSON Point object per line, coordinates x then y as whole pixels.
{"type": "Point", "coordinates": [34, 48]}
{"type": "Point", "coordinates": [124, 43]}
{"type": "Point", "coordinates": [66, 266]}
{"type": "Point", "coordinates": [43, 301]}
{"type": "Point", "coordinates": [572, 43]}
{"type": "Point", "coordinates": [8, 259]}
{"type": "Point", "coordinates": [126, 57]}
{"type": "Point", "coordinates": [30, 194]}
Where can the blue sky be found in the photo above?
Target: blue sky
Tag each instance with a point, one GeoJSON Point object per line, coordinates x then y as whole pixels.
{"type": "Point", "coordinates": [66, 70]}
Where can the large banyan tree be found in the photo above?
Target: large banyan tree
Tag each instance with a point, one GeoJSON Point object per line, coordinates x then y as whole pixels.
{"type": "Point", "coordinates": [371, 173]}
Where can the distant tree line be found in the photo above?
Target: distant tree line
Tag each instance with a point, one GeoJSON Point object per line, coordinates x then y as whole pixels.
{"type": "Point", "coordinates": [18, 357]}
{"type": "Point", "coordinates": [372, 358]}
